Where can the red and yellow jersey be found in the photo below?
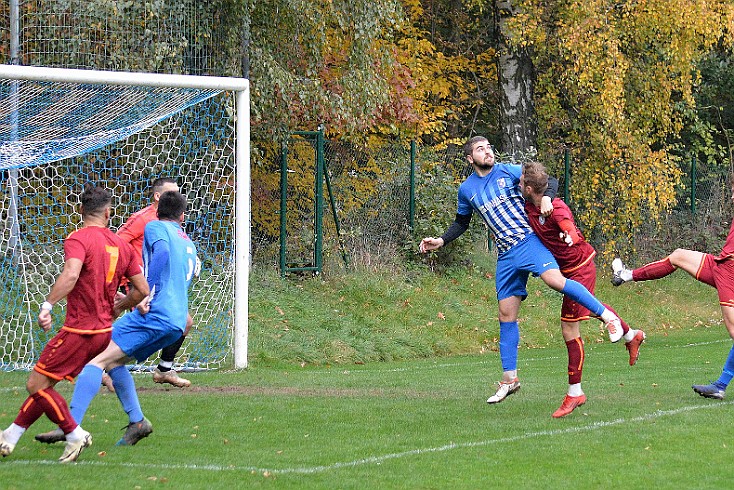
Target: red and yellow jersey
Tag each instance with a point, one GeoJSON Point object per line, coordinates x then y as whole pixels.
{"type": "Point", "coordinates": [549, 230]}
{"type": "Point", "coordinates": [106, 260]}
{"type": "Point", "coordinates": [727, 252]}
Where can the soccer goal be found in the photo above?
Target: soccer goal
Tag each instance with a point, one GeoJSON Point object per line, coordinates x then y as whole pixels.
{"type": "Point", "coordinates": [61, 128]}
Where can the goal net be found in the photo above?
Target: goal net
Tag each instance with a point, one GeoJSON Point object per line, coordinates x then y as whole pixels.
{"type": "Point", "coordinates": [57, 135]}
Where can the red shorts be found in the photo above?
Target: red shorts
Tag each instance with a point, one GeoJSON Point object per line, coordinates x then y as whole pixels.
{"type": "Point", "coordinates": [719, 275]}
{"type": "Point", "coordinates": [67, 352]}
{"type": "Point", "coordinates": [572, 311]}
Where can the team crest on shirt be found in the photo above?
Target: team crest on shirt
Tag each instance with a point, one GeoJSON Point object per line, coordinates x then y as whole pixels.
{"type": "Point", "coordinates": [541, 219]}
{"type": "Point", "coordinates": [501, 183]}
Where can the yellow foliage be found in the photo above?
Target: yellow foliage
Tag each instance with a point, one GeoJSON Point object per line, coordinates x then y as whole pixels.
{"type": "Point", "coordinates": [614, 80]}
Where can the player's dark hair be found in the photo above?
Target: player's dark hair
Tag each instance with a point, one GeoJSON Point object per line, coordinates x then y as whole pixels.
{"type": "Point", "coordinates": [159, 183]}
{"type": "Point", "coordinates": [171, 205]}
{"type": "Point", "coordinates": [469, 145]}
{"type": "Point", "coordinates": [535, 176]}
{"type": "Point", "coordinates": [95, 199]}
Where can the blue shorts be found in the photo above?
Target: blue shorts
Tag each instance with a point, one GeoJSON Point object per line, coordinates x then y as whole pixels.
{"type": "Point", "coordinates": [515, 265]}
{"type": "Point", "coordinates": [140, 336]}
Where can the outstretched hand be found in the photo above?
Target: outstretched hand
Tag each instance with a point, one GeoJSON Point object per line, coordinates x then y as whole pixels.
{"type": "Point", "coordinates": [430, 243]}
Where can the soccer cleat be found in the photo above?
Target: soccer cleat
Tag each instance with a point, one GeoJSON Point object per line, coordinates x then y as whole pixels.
{"type": "Point", "coordinates": [5, 447]}
{"type": "Point", "coordinates": [709, 391]}
{"type": "Point", "coordinates": [136, 431]}
{"type": "Point", "coordinates": [107, 381]}
{"type": "Point", "coordinates": [51, 437]}
{"type": "Point", "coordinates": [171, 377]}
{"type": "Point", "coordinates": [505, 389]}
{"type": "Point", "coordinates": [74, 449]}
{"type": "Point", "coordinates": [569, 405]}
{"type": "Point", "coordinates": [614, 328]}
{"type": "Point", "coordinates": [617, 269]}
{"type": "Point", "coordinates": [633, 346]}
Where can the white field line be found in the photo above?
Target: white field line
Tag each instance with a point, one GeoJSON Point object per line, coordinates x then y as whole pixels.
{"type": "Point", "coordinates": [379, 459]}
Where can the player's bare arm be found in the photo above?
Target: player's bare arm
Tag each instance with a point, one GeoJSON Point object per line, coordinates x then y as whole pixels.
{"type": "Point", "coordinates": [63, 286]}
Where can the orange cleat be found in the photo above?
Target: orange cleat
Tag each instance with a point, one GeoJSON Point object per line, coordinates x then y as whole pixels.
{"type": "Point", "coordinates": [569, 405]}
{"type": "Point", "coordinates": [633, 346]}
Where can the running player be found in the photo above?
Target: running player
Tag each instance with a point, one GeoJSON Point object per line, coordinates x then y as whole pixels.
{"type": "Point", "coordinates": [132, 232]}
{"type": "Point", "coordinates": [169, 258]}
{"type": "Point", "coordinates": [716, 271]}
{"type": "Point", "coordinates": [96, 260]}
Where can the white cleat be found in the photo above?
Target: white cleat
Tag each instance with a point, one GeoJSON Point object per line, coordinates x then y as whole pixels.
{"type": "Point", "coordinates": [505, 389]}
{"type": "Point", "coordinates": [614, 328]}
{"type": "Point", "coordinates": [5, 447]}
{"type": "Point", "coordinates": [74, 449]}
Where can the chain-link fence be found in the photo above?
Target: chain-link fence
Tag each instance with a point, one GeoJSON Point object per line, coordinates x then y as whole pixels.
{"type": "Point", "coordinates": [372, 190]}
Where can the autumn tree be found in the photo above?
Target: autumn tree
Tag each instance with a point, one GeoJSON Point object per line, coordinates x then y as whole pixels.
{"type": "Point", "coordinates": [615, 81]}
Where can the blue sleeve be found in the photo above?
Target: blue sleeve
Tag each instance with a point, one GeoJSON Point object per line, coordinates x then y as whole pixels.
{"type": "Point", "coordinates": [515, 171]}
{"type": "Point", "coordinates": [158, 261]}
{"type": "Point", "coordinates": [463, 205]}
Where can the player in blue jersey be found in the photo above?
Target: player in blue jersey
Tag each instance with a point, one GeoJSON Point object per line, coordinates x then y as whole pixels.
{"type": "Point", "coordinates": [493, 191]}
{"type": "Point", "coordinates": [169, 259]}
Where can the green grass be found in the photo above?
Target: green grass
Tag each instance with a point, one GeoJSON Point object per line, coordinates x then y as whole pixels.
{"type": "Point", "coordinates": [410, 424]}
{"type": "Point", "coordinates": [316, 409]}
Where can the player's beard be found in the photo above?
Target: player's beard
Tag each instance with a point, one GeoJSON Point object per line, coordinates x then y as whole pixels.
{"type": "Point", "coordinates": [484, 165]}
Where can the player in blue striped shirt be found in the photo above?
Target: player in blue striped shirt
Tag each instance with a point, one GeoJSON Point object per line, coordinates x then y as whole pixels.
{"type": "Point", "coordinates": [493, 191]}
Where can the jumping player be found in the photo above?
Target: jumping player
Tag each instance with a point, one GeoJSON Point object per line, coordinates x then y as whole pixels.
{"type": "Point", "coordinates": [575, 256]}
{"type": "Point", "coordinates": [493, 192]}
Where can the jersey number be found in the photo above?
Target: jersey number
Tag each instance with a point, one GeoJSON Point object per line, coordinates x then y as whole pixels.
{"type": "Point", "coordinates": [114, 256]}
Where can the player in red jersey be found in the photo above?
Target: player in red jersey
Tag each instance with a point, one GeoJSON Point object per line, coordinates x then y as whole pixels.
{"type": "Point", "coordinates": [575, 257]}
{"type": "Point", "coordinates": [714, 270]}
{"type": "Point", "coordinates": [132, 232]}
{"type": "Point", "coordinates": [96, 260]}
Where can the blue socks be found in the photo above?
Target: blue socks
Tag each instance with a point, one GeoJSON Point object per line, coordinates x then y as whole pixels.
{"type": "Point", "coordinates": [728, 372]}
{"type": "Point", "coordinates": [581, 295]}
{"type": "Point", "coordinates": [125, 391]}
{"type": "Point", "coordinates": [85, 389]}
{"type": "Point", "coordinates": [509, 342]}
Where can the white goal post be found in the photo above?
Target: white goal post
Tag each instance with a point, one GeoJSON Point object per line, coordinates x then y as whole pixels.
{"type": "Point", "coordinates": [19, 156]}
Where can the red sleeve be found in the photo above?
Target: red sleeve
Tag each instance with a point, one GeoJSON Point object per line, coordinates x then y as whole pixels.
{"type": "Point", "coordinates": [74, 248]}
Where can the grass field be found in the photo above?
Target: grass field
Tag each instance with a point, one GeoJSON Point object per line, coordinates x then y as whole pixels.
{"type": "Point", "coordinates": [410, 424]}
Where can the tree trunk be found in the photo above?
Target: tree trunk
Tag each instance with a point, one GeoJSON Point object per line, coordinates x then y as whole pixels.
{"type": "Point", "coordinates": [516, 79]}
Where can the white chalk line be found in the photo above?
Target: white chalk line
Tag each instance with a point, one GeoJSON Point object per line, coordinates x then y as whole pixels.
{"type": "Point", "coordinates": [377, 460]}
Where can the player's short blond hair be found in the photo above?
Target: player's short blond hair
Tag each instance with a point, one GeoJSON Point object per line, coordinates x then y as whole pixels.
{"type": "Point", "coordinates": [535, 176]}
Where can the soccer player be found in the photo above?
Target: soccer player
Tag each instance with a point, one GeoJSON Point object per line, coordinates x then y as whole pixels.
{"type": "Point", "coordinates": [95, 262]}
{"type": "Point", "coordinates": [575, 256]}
{"type": "Point", "coordinates": [169, 259]}
{"type": "Point", "coordinates": [132, 232]}
{"type": "Point", "coordinates": [493, 191]}
{"type": "Point", "coordinates": [716, 271]}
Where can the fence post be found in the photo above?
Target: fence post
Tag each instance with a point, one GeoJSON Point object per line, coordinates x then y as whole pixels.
{"type": "Point", "coordinates": [566, 175]}
{"type": "Point", "coordinates": [411, 202]}
{"type": "Point", "coordinates": [283, 204]}
{"type": "Point", "coordinates": [693, 185]}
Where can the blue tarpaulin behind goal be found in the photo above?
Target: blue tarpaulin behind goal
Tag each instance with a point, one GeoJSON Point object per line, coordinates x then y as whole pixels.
{"type": "Point", "coordinates": [42, 122]}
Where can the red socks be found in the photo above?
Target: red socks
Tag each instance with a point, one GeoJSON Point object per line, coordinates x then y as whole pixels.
{"type": "Point", "coordinates": [575, 349]}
